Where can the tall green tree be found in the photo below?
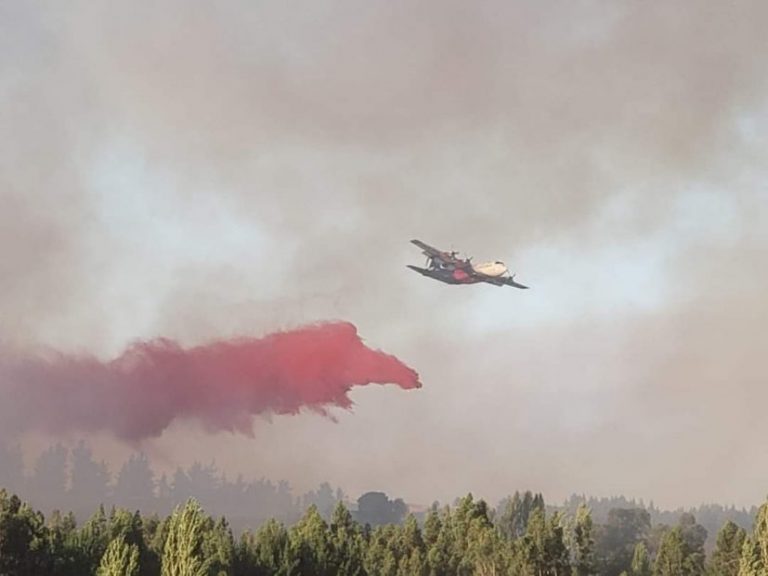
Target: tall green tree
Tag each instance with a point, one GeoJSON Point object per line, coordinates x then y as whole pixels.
{"type": "Point", "coordinates": [750, 563]}
{"type": "Point", "coordinates": [440, 546]}
{"type": "Point", "coordinates": [93, 537]}
{"type": "Point", "coordinates": [23, 538]}
{"type": "Point", "coordinates": [694, 536]}
{"type": "Point", "coordinates": [218, 547]}
{"type": "Point", "coordinates": [311, 541]}
{"type": "Point", "coordinates": [754, 558]}
{"type": "Point", "coordinates": [269, 552]}
{"type": "Point", "coordinates": [183, 550]}
{"type": "Point", "coordinates": [670, 560]}
{"type": "Point", "coordinates": [432, 526]}
{"type": "Point", "coordinates": [515, 512]}
{"type": "Point", "coordinates": [641, 561]}
{"type": "Point", "coordinates": [346, 543]}
{"type": "Point", "coordinates": [381, 555]}
{"type": "Point", "coordinates": [727, 553]}
{"type": "Point", "coordinates": [543, 548]}
{"type": "Point", "coordinates": [65, 557]}
{"type": "Point", "coordinates": [616, 539]}
{"type": "Point", "coordinates": [583, 543]}
{"type": "Point", "coordinates": [761, 534]}
{"type": "Point", "coordinates": [120, 559]}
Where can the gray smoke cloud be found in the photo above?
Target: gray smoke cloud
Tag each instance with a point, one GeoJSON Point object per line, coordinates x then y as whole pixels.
{"type": "Point", "coordinates": [198, 171]}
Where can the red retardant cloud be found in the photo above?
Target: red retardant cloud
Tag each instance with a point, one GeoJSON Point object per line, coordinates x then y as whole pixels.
{"type": "Point", "coordinates": [222, 384]}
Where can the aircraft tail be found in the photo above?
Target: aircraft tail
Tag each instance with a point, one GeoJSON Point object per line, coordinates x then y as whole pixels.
{"type": "Point", "coordinates": [511, 282]}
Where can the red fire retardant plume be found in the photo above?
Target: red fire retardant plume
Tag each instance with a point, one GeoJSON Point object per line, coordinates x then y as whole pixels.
{"type": "Point", "coordinates": [222, 384]}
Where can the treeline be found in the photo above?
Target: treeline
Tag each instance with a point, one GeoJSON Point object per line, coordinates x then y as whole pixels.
{"type": "Point", "coordinates": [710, 516]}
{"type": "Point", "coordinates": [71, 479]}
{"type": "Point", "coordinates": [66, 479]}
{"type": "Point", "coordinates": [469, 538]}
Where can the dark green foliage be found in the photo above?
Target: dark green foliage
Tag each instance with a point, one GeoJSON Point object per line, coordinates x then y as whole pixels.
{"type": "Point", "coordinates": [681, 551]}
{"type": "Point", "coordinates": [346, 543]}
{"type": "Point", "coordinates": [542, 548]}
{"type": "Point", "coordinates": [94, 537]}
{"type": "Point", "coordinates": [466, 539]}
{"type": "Point", "coordinates": [641, 561]}
{"type": "Point", "coordinates": [218, 547]}
{"type": "Point", "coordinates": [514, 513]}
{"type": "Point", "coordinates": [23, 538]}
{"type": "Point", "coordinates": [754, 556]}
{"type": "Point", "coordinates": [583, 544]}
{"type": "Point", "coordinates": [310, 538]}
{"type": "Point", "coordinates": [694, 536]}
{"type": "Point", "coordinates": [64, 555]}
{"type": "Point", "coordinates": [710, 516]}
{"type": "Point", "coordinates": [375, 508]}
{"type": "Point", "coordinates": [183, 553]}
{"type": "Point", "coordinates": [670, 561]}
{"type": "Point", "coordinates": [120, 559]}
{"type": "Point", "coordinates": [616, 539]}
{"type": "Point", "coordinates": [727, 554]}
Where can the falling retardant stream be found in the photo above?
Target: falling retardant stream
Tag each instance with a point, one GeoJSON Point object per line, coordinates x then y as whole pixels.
{"type": "Point", "coordinates": [222, 384]}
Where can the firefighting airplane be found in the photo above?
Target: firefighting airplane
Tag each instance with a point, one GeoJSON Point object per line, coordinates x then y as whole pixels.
{"type": "Point", "coordinates": [447, 267]}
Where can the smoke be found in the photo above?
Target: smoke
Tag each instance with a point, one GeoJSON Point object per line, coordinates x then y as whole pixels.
{"type": "Point", "coordinates": [222, 384]}
{"type": "Point", "coordinates": [190, 169]}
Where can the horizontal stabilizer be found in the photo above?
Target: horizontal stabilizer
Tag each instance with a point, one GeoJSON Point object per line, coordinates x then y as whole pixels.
{"type": "Point", "coordinates": [511, 282]}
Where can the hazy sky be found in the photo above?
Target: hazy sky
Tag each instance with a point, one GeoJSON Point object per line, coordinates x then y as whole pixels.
{"type": "Point", "coordinates": [200, 170]}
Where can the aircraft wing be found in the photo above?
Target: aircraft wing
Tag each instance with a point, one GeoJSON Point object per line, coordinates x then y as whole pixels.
{"type": "Point", "coordinates": [446, 278]}
{"type": "Point", "coordinates": [434, 252]}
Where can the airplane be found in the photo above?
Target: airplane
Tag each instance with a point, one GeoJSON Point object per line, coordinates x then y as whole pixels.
{"type": "Point", "coordinates": [449, 268]}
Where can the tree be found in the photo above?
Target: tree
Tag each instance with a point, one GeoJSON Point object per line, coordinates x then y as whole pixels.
{"type": "Point", "coordinates": [267, 553]}
{"type": "Point", "coordinates": [670, 561]}
{"type": "Point", "coordinates": [49, 481]}
{"type": "Point", "coordinates": [11, 467]}
{"type": "Point", "coordinates": [754, 557]}
{"type": "Point", "coordinates": [516, 511]}
{"type": "Point", "coordinates": [135, 485]}
{"type": "Point", "coordinates": [543, 547]}
{"type": "Point", "coordinates": [94, 537]}
{"type": "Point", "coordinates": [411, 548]}
{"type": "Point", "coordinates": [583, 543]}
{"type": "Point", "coordinates": [432, 525]}
{"type": "Point", "coordinates": [89, 480]}
{"type": "Point", "coordinates": [681, 552]}
{"type": "Point", "coordinates": [381, 558]}
{"type": "Point", "coordinates": [750, 563]}
{"type": "Point", "coordinates": [760, 534]}
{"type": "Point", "coordinates": [440, 556]}
{"type": "Point", "coordinates": [728, 549]}
{"type": "Point", "coordinates": [65, 557]}
{"type": "Point", "coordinates": [324, 498]}
{"type": "Point", "coordinates": [694, 536]}
{"type": "Point", "coordinates": [310, 539]}
{"type": "Point", "coordinates": [218, 546]}
{"type": "Point", "coordinates": [487, 550]}
{"type": "Point", "coordinates": [616, 539]}
{"type": "Point", "coordinates": [182, 553]}
{"type": "Point", "coordinates": [347, 546]}
{"type": "Point", "coordinates": [120, 559]}
{"type": "Point", "coordinates": [641, 561]}
{"type": "Point", "coordinates": [375, 508]}
{"type": "Point", "coordinates": [22, 538]}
